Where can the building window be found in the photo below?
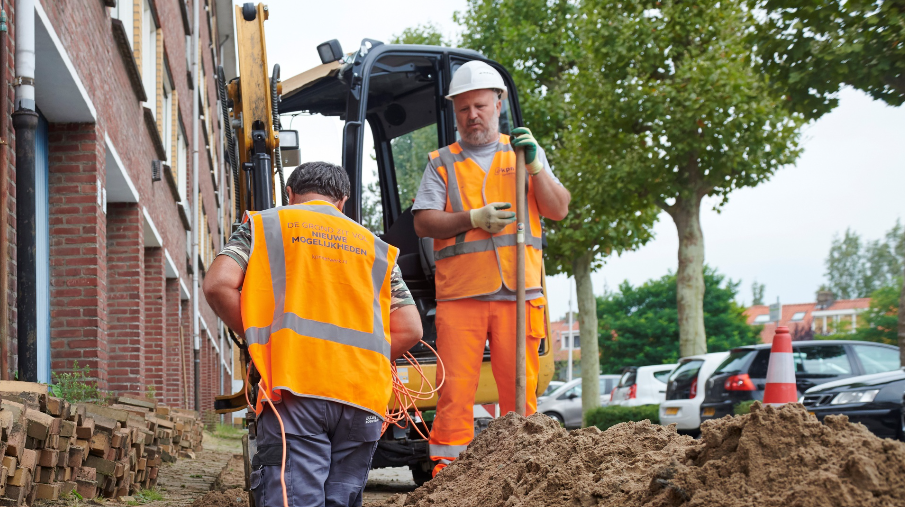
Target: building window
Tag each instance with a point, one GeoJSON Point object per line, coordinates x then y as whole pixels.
{"type": "Point", "coordinates": [181, 154]}
{"type": "Point", "coordinates": [166, 133]}
{"type": "Point", "coordinates": [762, 319]}
{"type": "Point", "coordinates": [149, 57]}
{"type": "Point", "coordinates": [576, 341]}
{"type": "Point", "coordinates": [798, 317]}
{"type": "Point", "coordinates": [125, 12]}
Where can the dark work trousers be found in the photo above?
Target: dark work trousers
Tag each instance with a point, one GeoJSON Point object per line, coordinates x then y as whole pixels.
{"type": "Point", "coordinates": [328, 455]}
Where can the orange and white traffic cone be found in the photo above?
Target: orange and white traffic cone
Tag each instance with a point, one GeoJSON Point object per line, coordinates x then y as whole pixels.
{"type": "Point", "coordinates": [781, 386]}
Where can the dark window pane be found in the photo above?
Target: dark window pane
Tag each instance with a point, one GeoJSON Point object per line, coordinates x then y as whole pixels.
{"type": "Point", "coordinates": [759, 366]}
{"type": "Point", "coordinates": [877, 359]}
{"type": "Point", "coordinates": [628, 378]}
{"type": "Point", "coordinates": [662, 376]}
{"type": "Point", "coordinates": [735, 361]}
{"type": "Point", "coordinates": [822, 361]}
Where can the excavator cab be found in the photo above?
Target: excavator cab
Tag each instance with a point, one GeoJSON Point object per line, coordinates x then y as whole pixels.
{"type": "Point", "coordinates": [387, 103]}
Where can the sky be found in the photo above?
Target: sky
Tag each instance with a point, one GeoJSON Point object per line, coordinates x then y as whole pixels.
{"type": "Point", "coordinates": [850, 175]}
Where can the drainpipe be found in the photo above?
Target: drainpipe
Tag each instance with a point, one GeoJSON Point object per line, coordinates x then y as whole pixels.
{"type": "Point", "coordinates": [4, 204]}
{"type": "Point", "coordinates": [196, 229]}
{"type": "Point", "coordinates": [25, 121]}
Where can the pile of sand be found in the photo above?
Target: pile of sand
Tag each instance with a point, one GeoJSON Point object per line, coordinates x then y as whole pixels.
{"type": "Point", "coordinates": [768, 458]}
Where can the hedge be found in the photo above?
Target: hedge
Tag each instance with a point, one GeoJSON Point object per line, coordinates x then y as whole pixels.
{"type": "Point", "coordinates": [605, 417]}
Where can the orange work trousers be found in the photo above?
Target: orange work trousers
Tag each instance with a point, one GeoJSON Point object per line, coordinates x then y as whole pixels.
{"type": "Point", "coordinates": [464, 326]}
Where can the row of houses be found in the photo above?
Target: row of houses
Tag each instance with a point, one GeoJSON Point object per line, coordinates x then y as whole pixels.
{"type": "Point", "coordinates": [100, 231]}
{"type": "Point", "coordinates": [825, 316]}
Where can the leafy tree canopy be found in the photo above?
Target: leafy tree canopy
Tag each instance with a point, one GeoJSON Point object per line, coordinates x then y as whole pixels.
{"type": "Point", "coordinates": [639, 325]}
{"type": "Point", "coordinates": [812, 47]}
{"type": "Point", "coordinates": [857, 269]}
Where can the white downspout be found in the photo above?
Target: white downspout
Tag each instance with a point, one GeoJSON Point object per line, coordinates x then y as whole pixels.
{"type": "Point", "coordinates": [25, 55]}
{"type": "Point", "coordinates": [196, 233]}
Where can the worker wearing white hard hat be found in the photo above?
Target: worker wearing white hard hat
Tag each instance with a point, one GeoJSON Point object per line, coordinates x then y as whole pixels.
{"type": "Point", "coordinates": [466, 203]}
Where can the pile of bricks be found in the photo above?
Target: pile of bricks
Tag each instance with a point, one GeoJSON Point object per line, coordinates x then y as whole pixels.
{"type": "Point", "coordinates": [51, 447]}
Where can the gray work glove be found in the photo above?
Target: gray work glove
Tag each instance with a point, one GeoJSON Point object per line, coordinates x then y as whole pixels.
{"type": "Point", "coordinates": [491, 218]}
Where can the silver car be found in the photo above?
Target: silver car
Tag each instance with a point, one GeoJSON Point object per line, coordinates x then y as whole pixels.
{"type": "Point", "coordinates": [564, 404]}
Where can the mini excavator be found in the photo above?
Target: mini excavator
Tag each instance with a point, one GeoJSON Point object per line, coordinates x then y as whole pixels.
{"type": "Point", "coordinates": [395, 93]}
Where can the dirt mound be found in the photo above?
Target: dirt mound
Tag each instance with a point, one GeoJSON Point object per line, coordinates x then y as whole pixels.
{"type": "Point", "coordinates": [232, 475]}
{"type": "Point", "coordinates": [228, 498]}
{"type": "Point", "coordinates": [767, 458]}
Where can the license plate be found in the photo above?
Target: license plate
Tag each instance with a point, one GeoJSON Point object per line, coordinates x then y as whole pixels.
{"type": "Point", "coordinates": [709, 412]}
{"type": "Point", "coordinates": [672, 410]}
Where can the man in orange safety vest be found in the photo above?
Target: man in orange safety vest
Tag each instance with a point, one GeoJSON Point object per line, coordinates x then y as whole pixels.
{"type": "Point", "coordinates": [466, 202]}
{"type": "Point", "coordinates": [323, 308]}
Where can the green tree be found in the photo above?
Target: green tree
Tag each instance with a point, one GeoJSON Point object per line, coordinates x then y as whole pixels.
{"type": "Point", "coordinates": [673, 110]}
{"type": "Point", "coordinates": [535, 40]}
{"type": "Point", "coordinates": [810, 49]}
{"type": "Point", "coordinates": [639, 325]}
{"type": "Point", "coordinates": [757, 293]}
{"type": "Point", "coordinates": [372, 207]}
{"type": "Point", "coordinates": [857, 269]}
{"type": "Point", "coordinates": [882, 318]}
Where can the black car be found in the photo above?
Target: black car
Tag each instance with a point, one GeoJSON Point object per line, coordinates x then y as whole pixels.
{"type": "Point", "coordinates": [872, 400]}
{"type": "Point", "coordinates": [743, 375]}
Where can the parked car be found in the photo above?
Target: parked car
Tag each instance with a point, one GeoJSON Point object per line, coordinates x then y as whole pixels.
{"type": "Point", "coordinates": [564, 404]}
{"type": "Point", "coordinates": [743, 375]}
{"type": "Point", "coordinates": [644, 385]}
{"type": "Point", "coordinates": [685, 390]}
{"type": "Point", "coordinates": [872, 400]}
{"type": "Point", "coordinates": [552, 386]}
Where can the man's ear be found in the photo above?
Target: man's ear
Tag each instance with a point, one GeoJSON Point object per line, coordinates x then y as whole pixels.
{"type": "Point", "coordinates": [290, 195]}
{"type": "Point", "coordinates": [342, 203]}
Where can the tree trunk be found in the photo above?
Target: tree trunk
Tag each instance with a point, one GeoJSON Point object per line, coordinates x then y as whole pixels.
{"type": "Point", "coordinates": [686, 213]}
{"type": "Point", "coordinates": [902, 323]}
{"type": "Point", "coordinates": [587, 325]}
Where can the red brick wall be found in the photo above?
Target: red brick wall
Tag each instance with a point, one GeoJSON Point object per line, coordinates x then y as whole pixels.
{"type": "Point", "coordinates": [135, 342]}
{"type": "Point", "coordinates": [155, 316]}
{"type": "Point", "coordinates": [78, 278]}
{"type": "Point", "coordinates": [125, 287]}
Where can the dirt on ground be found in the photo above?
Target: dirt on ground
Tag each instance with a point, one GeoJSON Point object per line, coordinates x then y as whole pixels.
{"type": "Point", "coordinates": [769, 458]}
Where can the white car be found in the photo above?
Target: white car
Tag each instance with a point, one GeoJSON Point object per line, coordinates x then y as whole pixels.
{"type": "Point", "coordinates": [644, 385]}
{"type": "Point", "coordinates": [685, 390]}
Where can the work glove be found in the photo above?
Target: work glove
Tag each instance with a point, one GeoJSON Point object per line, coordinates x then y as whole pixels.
{"type": "Point", "coordinates": [523, 137]}
{"type": "Point", "coordinates": [491, 218]}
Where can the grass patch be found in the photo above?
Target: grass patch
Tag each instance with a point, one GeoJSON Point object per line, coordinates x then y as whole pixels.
{"type": "Point", "coordinates": [229, 431]}
{"type": "Point", "coordinates": [146, 496]}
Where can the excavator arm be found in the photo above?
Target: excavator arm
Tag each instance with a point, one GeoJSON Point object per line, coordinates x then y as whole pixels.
{"type": "Point", "coordinates": [251, 124]}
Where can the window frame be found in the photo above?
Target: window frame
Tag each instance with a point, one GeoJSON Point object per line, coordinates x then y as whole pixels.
{"type": "Point", "coordinates": [149, 56]}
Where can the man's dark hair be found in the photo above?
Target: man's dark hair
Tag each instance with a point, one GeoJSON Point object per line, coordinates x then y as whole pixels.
{"type": "Point", "coordinates": [320, 178]}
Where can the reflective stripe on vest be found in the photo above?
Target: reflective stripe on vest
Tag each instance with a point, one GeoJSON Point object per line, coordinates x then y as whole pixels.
{"type": "Point", "coordinates": [489, 260]}
{"type": "Point", "coordinates": [273, 236]}
{"type": "Point", "coordinates": [446, 451]}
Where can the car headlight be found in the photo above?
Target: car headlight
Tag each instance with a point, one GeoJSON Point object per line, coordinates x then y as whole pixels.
{"type": "Point", "coordinates": [855, 397]}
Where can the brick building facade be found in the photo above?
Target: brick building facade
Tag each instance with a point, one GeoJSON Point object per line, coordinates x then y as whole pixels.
{"type": "Point", "coordinates": [114, 88]}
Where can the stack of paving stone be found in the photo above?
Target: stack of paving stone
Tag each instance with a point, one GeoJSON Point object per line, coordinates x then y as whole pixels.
{"type": "Point", "coordinates": [51, 447]}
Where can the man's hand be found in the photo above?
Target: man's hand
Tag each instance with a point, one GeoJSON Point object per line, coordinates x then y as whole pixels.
{"type": "Point", "coordinates": [491, 218]}
{"type": "Point", "coordinates": [522, 137]}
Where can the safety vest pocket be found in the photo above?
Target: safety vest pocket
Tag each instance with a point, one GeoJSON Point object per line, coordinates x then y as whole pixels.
{"type": "Point", "coordinates": [536, 321]}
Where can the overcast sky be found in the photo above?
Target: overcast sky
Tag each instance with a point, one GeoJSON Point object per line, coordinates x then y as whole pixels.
{"type": "Point", "coordinates": [851, 174]}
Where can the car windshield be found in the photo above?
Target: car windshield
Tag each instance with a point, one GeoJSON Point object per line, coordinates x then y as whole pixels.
{"type": "Point", "coordinates": [554, 385]}
{"type": "Point", "coordinates": [735, 361]}
{"type": "Point", "coordinates": [662, 375]}
{"type": "Point", "coordinates": [686, 371]}
{"type": "Point", "coordinates": [628, 378]}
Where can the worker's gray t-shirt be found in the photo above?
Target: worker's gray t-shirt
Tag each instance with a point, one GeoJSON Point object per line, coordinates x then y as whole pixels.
{"type": "Point", "coordinates": [432, 195]}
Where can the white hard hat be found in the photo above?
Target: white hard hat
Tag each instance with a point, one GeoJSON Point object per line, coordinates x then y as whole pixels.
{"type": "Point", "coordinates": [476, 75]}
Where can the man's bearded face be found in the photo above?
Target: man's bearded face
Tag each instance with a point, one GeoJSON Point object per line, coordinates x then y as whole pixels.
{"type": "Point", "coordinates": [478, 116]}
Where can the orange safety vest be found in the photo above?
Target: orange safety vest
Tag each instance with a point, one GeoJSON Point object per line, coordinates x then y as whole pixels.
{"type": "Point", "coordinates": [316, 306]}
{"type": "Point", "coordinates": [477, 263]}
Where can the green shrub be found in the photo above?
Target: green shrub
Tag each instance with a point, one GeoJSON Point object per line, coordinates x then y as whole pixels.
{"type": "Point", "coordinates": [604, 417]}
{"type": "Point", "coordinates": [75, 387]}
{"type": "Point", "coordinates": [743, 407]}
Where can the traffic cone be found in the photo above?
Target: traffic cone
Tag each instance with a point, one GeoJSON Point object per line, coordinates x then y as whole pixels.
{"type": "Point", "coordinates": [781, 386]}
